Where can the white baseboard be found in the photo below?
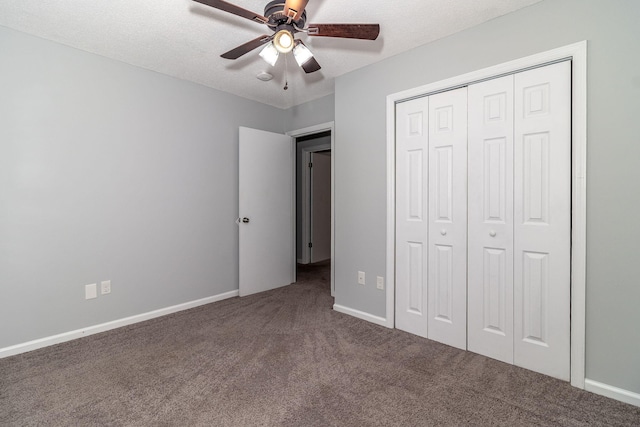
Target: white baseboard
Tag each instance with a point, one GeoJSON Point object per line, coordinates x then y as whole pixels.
{"type": "Point", "coordinates": [90, 330]}
{"type": "Point", "coordinates": [612, 392]}
{"type": "Point", "coordinates": [362, 315]}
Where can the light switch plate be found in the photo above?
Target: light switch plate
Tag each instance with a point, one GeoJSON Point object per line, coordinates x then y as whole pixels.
{"type": "Point", "coordinates": [91, 291]}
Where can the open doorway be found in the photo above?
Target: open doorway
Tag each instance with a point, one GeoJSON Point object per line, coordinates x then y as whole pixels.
{"type": "Point", "coordinates": [318, 200]}
{"type": "Point", "coordinates": [313, 204]}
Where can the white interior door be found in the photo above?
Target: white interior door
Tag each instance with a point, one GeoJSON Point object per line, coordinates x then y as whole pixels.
{"type": "Point", "coordinates": [511, 245]}
{"type": "Point", "coordinates": [266, 245]}
{"type": "Point", "coordinates": [520, 219]}
{"type": "Point", "coordinates": [490, 282]}
{"type": "Point", "coordinates": [320, 206]}
{"type": "Point", "coordinates": [542, 218]}
{"type": "Point", "coordinates": [431, 217]}
{"type": "Point", "coordinates": [447, 198]}
{"type": "Point", "coordinates": [411, 216]}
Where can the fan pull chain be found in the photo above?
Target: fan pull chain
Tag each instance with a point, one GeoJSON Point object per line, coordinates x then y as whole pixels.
{"type": "Point", "coordinates": [286, 66]}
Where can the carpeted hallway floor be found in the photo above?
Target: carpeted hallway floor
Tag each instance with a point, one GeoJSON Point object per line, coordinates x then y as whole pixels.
{"type": "Point", "coordinates": [282, 358]}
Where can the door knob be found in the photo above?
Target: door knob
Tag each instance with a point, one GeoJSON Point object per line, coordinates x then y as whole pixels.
{"type": "Point", "coordinates": [245, 220]}
{"type": "Point", "coordinates": [443, 232]}
{"type": "Point", "coordinates": [492, 233]}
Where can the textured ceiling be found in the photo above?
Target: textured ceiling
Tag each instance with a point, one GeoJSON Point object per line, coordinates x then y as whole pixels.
{"type": "Point", "coordinates": [184, 39]}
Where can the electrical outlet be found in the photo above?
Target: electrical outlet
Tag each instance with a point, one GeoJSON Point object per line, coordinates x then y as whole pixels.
{"type": "Point", "coordinates": [380, 282]}
{"type": "Point", "coordinates": [361, 277]}
{"type": "Point", "coordinates": [105, 287]}
{"type": "Point", "coordinates": [91, 291]}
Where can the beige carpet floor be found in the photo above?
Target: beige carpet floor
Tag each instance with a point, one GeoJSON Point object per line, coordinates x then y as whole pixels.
{"type": "Point", "coordinates": [282, 358]}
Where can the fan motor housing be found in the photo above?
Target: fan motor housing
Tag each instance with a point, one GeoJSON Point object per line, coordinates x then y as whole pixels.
{"type": "Point", "coordinates": [274, 11]}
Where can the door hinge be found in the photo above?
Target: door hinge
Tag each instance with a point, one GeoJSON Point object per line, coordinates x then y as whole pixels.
{"type": "Point", "coordinates": [310, 165]}
{"type": "Point", "coordinates": [310, 244]}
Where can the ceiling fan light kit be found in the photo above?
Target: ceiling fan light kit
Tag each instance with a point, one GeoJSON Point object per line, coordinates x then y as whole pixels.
{"type": "Point", "coordinates": [286, 18]}
{"type": "Point", "coordinates": [301, 53]}
{"type": "Point", "coordinates": [270, 54]}
{"type": "Point", "coordinates": [283, 41]}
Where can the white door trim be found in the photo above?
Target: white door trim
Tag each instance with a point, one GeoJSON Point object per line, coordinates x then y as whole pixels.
{"type": "Point", "coordinates": [323, 127]}
{"type": "Point", "coordinates": [578, 54]}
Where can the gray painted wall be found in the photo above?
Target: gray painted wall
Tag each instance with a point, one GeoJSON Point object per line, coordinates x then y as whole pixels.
{"type": "Point", "coordinates": [611, 27]}
{"type": "Point", "coordinates": [109, 171]}
{"type": "Point", "coordinates": [311, 113]}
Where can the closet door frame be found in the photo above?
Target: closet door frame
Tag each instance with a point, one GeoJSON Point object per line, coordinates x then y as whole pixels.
{"type": "Point", "coordinates": [577, 53]}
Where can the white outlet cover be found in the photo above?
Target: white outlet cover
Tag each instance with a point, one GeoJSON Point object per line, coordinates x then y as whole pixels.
{"type": "Point", "coordinates": [361, 279]}
{"type": "Point", "coordinates": [105, 287]}
{"type": "Point", "coordinates": [91, 291]}
{"type": "Point", "coordinates": [380, 282]}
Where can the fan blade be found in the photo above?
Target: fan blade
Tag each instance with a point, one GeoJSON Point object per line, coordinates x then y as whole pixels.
{"type": "Point", "coordinates": [236, 10]}
{"type": "Point", "coordinates": [294, 8]}
{"type": "Point", "coordinates": [311, 66]}
{"type": "Point", "coordinates": [346, 31]}
{"type": "Point", "coordinates": [247, 47]}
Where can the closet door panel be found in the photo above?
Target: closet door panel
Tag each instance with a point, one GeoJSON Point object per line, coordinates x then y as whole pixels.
{"type": "Point", "coordinates": [490, 257]}
{"type": "Point", "coordinates": [447, 242]}
{"type": "Point", "coordinates": [542, 220]}
{"type": "Point", "coordinates": [411, 216]}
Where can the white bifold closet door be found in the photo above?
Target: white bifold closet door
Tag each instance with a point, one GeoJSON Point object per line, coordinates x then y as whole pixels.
{"type": "Point", "coordinates": [412, 216]}
{"type": "Point", "coordinates": [431, 217]}
{"type": "Point", "coordinates": [447, 266]}
{"type": "Point", "coordinates": [542, 220]}
{"type": "Point", "coordinates": [490, 286]}
{"type": "Point", "coordinates": [520, 219]}
{"type": "Point", "coordinates": [483, 218]}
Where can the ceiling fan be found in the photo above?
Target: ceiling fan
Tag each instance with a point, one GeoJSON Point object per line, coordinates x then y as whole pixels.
{"type": "Point", "coordinates": [286, 18]}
